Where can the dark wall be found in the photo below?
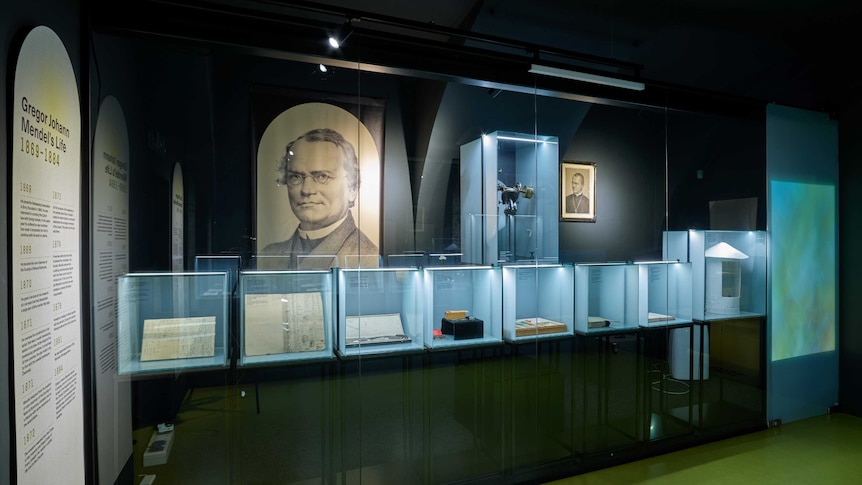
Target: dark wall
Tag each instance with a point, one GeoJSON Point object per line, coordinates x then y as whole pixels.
{"type": "Point", "coordinates": [166, 98]}
{"type": "Point", "coordinates": [713, 158]}
{"type": "Point", "coordinates": [850, 260]}
{"type": "Point", "coordinates": [627, 147]}
{"type": "Point", "coordinates": [706, 157]}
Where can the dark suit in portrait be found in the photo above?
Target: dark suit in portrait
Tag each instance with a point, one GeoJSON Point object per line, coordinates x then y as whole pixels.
{"type": "Point", "coordinates": [578, 204]}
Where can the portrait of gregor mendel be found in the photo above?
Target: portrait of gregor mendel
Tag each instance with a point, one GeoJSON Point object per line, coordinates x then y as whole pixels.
{"type": "Point", "coordinates": [321, 173]}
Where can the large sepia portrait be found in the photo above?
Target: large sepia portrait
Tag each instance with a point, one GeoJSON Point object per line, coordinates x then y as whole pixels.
{"type": "Point", "coordinates": [577, 191]}
{"type": "Point", "coordinates": [318, 180]}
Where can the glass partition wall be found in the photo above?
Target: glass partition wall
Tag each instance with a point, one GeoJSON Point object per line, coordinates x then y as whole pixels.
{"type": "Point", "coordinates": [441, 279]}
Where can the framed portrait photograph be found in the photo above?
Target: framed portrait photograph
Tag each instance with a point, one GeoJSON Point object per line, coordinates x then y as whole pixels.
{"type": "Point", "coordinates": [577, 191]}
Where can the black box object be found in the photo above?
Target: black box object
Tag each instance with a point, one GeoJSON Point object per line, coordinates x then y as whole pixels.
{"type": "Point", "coordinates": [463, 328]}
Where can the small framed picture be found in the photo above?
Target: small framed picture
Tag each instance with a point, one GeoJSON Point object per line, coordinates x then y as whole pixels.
{"type": "Point", "coordinates": [577, 191]}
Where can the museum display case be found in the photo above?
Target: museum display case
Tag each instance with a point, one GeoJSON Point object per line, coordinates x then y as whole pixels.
{"type": "Point", "coordinates": [537, 302]}
{"type": "Point", "coordinates": [509, 198]}
{"type": "Point", "coordinates": [380, 311]}
{"type": "Point", "coordinates": [663, 293]}
{"type": "Point", "coordinates": [285, 316]}
{"type": "Point", "coordinates": [171, 322]}
{"type": "Point", "coordinates": [728, 274]}
{"type": "Point", "coordinates": [728, 271]}
{"type": "Point", "coordinates": [230, 263]}
{"type": "Point", "coordinates": [720, 355]}
{"type": "Point", "coordinates": [463, 193]}
{"type": "Point", "coordinates": [606, 297]}
{"type": "Point", "coordinates": [462, 306]}
{"type": "Point", "coordinates": [410, 260]}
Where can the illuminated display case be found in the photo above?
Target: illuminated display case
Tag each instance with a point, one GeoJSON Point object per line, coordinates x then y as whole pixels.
{"type": "Point", "coordinates": [172, 321]}
{"type": "Point", "coordinates": [509, 198]}
{"type": "Point", "coordinates": [475, 290]}
{"type": "Point", "coordinates": [285, 316]}
{"type": "Point", "coordinates": [407, 260]}
{"type": "Point", "coordinates": [380, 311]}
{"type": "Point", "coordinates": [674, 246]}
{"type": "Point", "coordinates": [606, 297]}
{"type": "Point", "coordinates": [537, 301]}
{"type": "Point", "coordinates": [728, 274]}
{"type": "Point", "coordinates": [221, 262]}
{"type": "Point", "coordinates": [664, 293]}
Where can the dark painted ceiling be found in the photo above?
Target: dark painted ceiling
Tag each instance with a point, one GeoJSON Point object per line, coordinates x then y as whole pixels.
{"type": "Point", "coordinates": [793, 52]}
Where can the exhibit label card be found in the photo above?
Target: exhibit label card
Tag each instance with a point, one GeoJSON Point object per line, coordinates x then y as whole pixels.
{"type": "Point", "coordinates": [45, 140]}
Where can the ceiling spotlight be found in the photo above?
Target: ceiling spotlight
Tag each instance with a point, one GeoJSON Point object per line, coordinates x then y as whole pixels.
{"type": "Point", "coordinates": [322, 68]}
{"type": "Point", "coordinates": [339, 38]}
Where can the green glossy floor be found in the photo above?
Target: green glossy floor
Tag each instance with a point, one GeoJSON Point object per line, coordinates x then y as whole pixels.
{"type": "Point", "coordinates": [820, 450]}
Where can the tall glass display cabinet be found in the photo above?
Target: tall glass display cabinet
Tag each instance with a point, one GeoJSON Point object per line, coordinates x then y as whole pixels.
{"type": "Point", "coordinates": [722, 354]}
{"type": "Point", "coordinates": [509, 197]}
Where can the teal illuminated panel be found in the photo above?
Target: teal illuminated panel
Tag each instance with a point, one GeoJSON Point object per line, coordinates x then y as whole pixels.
{"type": "Point", "coordinates": [804, 271]}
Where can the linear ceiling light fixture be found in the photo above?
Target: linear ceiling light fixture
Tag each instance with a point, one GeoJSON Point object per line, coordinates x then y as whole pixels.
{"type": "Point", "coordinates": [586, 77]}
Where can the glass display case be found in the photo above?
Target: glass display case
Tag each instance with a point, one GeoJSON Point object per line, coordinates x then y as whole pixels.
{"type": "Point", "coordinates": [664, 293]}
{"type": "Point", "coordinates": [537, 301]}
{"type": "Point", "coordinates": [231, 263]}
{"type": "Point", "coordinates": [674, 246]}
{"type": "Point", "coordinates": [285, 316]}
{"type": "Point", "coordinates": [728, 274]}
{"type": "Point", "coordinates": [606, 297]}
{"type": "Point", "coordinates": [380, 311]}
{"type": "Point", "coordinates": [407, 260]}
{"type": "Point", "coordinates": [509, 198]}
{"type": "Point", "coordinates": [463, 306]}
{"type": "Point", "coordinates": [444, 259]}
{"type": "Point", "coordinates": [172, 321]}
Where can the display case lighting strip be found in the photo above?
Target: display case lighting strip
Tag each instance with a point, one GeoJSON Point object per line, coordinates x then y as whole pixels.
{"type": "Point", "coordinates": [528, 140]}
{"type": "Point", "coordinates": [520, 266]}
{"type": "Point", "coordinates": [258, 272]}
{"type": "Point", "coordinates": [455, 268]}
{"type": "Point", "coordinates": [169, 273]}
{"type": "Point", "coordinates": [392, 268]}
{"type": "Point", "coordinates": [669, 261]}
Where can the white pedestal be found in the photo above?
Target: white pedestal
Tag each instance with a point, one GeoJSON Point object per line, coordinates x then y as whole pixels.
{"type": "Point", "coordinates": [684, 351]}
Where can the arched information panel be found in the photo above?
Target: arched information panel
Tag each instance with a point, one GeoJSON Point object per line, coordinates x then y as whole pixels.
{"type": "Point", "coordinates": [46, 263]}
{"type": "Point", "coordinates": [110, 206]}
